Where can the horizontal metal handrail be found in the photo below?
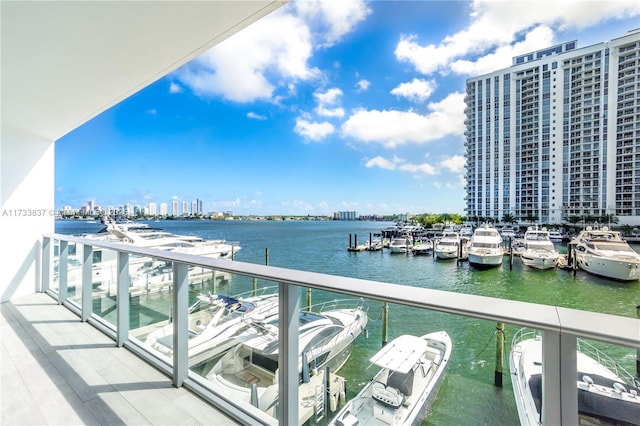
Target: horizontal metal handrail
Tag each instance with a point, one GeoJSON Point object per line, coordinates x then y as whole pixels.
{"type": "Point", "coordinates": [560, 327]}
{"type": "Point", "coordinates": [618, 330]}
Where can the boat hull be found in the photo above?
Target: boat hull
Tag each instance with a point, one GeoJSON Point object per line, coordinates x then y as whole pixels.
{"type": "Point", "coordinates": [539, 260]}
{"type": "Point", "coordinates": [446, 254]}
{"type": "Point", "coordinates": [616, 269]}
{"type": "Point", "coordinates": [485, 260]}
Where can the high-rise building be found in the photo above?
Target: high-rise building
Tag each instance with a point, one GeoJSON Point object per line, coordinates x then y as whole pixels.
{"type": "Point", "coordinates": [152, 209]}
{"type": "Point", "coordinates": [194, 208]}
{"type": "Point", "coordinates": [163, 209]}
{"type": "Point", "coordinates": [185, 208]}
{"type": "Point", "coordinates": [557, 135]}
{"type": "Point", "coordinates": [174, 208]}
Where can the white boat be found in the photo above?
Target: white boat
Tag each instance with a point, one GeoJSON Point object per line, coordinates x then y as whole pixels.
{"type": "Point", "coordinates": [401, 393]}
{"type": "Point", "coordinates": [142, 235]}
{"type": "Point", "coordinates": [215, 321]}
{"type": "Point", "coordinates": [422, 247]}
{"type": "Point", "coordinates": [248, 372]}
{"type": "Point", "coordinates": [507, 233]}
{"type": "Point", "coordinates": [607, 395]}
{"type": "Point", "coordinates": [466, 231]}
{"type": "Point", "coordinates": [400, 245]}
{"type": "Point", "coordinates": [448, 247]}
{"type": "Point", "coordinates": [485, 248]}
{"type": "Point", "coordinates": [555, 236]}
{"type": "Point", "coordinates": [538, 252]}
{"type": "Point", "coordinates": [603, 252]}
{"type": "Point", "coordinates": [376, 245]}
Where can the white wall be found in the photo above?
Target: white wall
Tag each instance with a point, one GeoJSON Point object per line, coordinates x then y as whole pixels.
{"type": "Point", "coordinates": [26, 206]}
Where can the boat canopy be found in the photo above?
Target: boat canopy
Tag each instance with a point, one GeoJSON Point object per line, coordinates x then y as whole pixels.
{"type": "Point", "coordinates": [401, 354]}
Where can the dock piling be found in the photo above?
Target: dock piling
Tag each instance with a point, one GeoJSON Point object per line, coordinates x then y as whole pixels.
{"type": "Point", "coordinates": [638, 350]}
{"type": "Point", "coordinates": [499, 354]}
{"type": "Point", "coordinates": [510, 255]}
{"type": "Point", "coordinates": [385, 323]}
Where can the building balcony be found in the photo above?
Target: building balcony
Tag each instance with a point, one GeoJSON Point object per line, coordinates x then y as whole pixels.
{"type": "Point", "coordinates": [110, 309]}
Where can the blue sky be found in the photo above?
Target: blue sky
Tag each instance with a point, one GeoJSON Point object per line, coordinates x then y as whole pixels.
{"type": "Point", "coordinates": [321, 106]}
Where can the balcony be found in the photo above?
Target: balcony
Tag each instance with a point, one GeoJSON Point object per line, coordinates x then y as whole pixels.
{"type": "Point", "coordinates": [109, 310]}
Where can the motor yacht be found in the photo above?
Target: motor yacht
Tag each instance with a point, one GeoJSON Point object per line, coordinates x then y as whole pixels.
{"type": "Point", "coordinates": [607, 394]}
{"type": "Point", "coordinates": [555, 236]}
{"type": "Point", "coordinates": [450, 246]}
{"type": "Point", "coordinates": [507, 233]}
{"type": "Point", "coordinates": [215, 321]}
{"type": "Point", "coordinates": [248, 372]}
{"type": "Point", "coordinates": [466, 231]}
{"type": "Point", "coordinates": [485, 247]}
{"type": "Point", "coordinates": [538, 250]}
{"type": "Point", "coordinates": [401, 393]}
{"type": "Point", "coordinates": [604, 253]}
{"type": "Point", "coordinates": [423, 246]}
{"type": "Point", "coordinates": [400, 245]}
{"type": "Point", "coordinates": [145, 236]}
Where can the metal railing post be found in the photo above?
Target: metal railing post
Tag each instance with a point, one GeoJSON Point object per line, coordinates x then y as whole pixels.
{"type": "Point", "coordinates": [288, 356]}
{"type": "Point", "coordinates": [180, 319]}
{"type": "Point", "coordinates": [46, 264]}
{"type": "Point", "coordinates": [87, 278]}
{"type": "Point", "coordinates": [63, 271]}
{"type": "Point", "coordinates": [122, 298]}
{"type": "Point", "coordinates": [559, 372]}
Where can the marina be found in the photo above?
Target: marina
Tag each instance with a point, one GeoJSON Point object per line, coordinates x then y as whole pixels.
{"type": "Point", "coordinates": [320, 247]}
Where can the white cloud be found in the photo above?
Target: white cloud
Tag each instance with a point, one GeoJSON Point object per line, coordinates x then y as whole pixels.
{"type": "Point", "coordinates": [381, 162]}
{"type": "Point", "coordinates": [175, 88]}
{"type": "Point", "coordinates": [499, 23]}
{"type": "Point", "coordinates": [330, 112]}
{"type": "Point", "coordinates": [392, 128]}
{"type": "Point", "coordinates": [456, 163]}
{"type": "Point", "coordinates": [275, 51]}
{"type": "Point", "coordinates": [313, 130]}
{"type": "Point", "coordinates": [152, 111]}
{"type": "Point", "coordinates": [363, 85]}
{"type": "Point", "coordinates": [279, 44]}
{"type": "Point", "coordinates": [256, 116]}
{"type": "Point", "coordinates": [417, 90]}
{"type": "Point", "coordinates": [501, 57]}
{"type": "Point", "coordinates": [330, 97]}
{"type": "Point", "coordinates": [330, 20]}
{"type": "Point", "coordinates": [397, 163]}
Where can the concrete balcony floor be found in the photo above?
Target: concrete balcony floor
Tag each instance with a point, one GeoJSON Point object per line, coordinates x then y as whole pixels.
{"type": "Point", "coordinates": [57, 370]}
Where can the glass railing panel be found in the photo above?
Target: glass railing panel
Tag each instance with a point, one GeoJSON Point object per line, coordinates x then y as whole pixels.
{"type": "Point", "coordinates": [74, 273]}
{"type": "Point", "coordinates": [55, 279]}
{"type": "Point", "coordinates": [104, 277]}
{"type": "Point", "coordinates": [151, 295]}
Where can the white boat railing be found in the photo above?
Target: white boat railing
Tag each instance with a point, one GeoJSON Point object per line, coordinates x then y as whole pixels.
{"type": "Point", "coordinates": [560, 326]}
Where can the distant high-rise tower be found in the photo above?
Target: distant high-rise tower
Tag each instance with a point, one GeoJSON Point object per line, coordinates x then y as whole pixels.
{"type": "Point", "coordinates": [152, 209]}
{"type": "Point", "coordinates": [174, 208]}
{"type": "Point", "coordinates": [163, 209]}
{"type": "Point", "coordinates": [185, 208]}
{"type": "Point", "coordinates": [556, 135]}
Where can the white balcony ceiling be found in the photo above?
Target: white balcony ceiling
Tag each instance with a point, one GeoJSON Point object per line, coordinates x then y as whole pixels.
{"type": "Point", "coordinates": [64, 62]}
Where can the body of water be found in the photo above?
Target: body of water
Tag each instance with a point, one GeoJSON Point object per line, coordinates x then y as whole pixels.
{"type": "Point", "coordinates": [468, 395]}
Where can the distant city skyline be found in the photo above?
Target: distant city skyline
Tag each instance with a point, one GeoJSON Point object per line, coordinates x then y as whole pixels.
{"type": "Point", "coordinates": [330, 106]}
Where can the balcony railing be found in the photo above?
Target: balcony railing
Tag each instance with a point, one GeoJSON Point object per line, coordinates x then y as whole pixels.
{"type": "Point", "coordinates": [560, 326]}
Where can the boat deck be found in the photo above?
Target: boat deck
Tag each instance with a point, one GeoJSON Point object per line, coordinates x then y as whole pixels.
{"type": "Point", "coordinates": [58, 370]}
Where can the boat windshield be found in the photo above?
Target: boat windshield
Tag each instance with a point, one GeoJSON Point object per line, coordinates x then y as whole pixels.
{"type": "Point", "coordinates": [487, 233]}
{"type": "Point", "coordinates": [486, 245]}
{"type": "Point", "coordinates": [621, 246]}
